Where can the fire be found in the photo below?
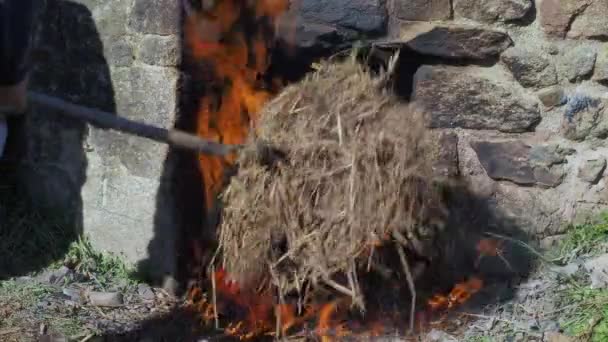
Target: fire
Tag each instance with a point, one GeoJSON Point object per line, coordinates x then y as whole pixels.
{"type": "Point", "coordinates": [459, 295]}
{"type": "Point", "coordinates": [233, 37]}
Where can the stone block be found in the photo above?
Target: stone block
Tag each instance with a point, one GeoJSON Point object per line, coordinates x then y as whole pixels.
{"type": "Point", "coordinates": [520, 163]}
{"type": "Point", "coordinates": [420, 10]}
{"type": "Point", "coordinates": [556, 15]}
{"type": "Point", "coordinates": [364, 16]}
{"type": "Point", "coordinates": [592, 170]}
{"type": "Point", "coordinates": [146, 94]}
{"type": "Point", "coordinates": [591, 23]}
{"type": "Point", "coordinates": [530, 68]}
{"type": "Point", "coordinates": [160, 50]}
{"type": "Point", "coordinates": [458, 97]}
{"type": "Point", "coordinates": [600, 74]}
{"type": "Point", "coordinates": [453, 41]}
{"type": "Point", "coordinates": [492, 10]}
{"type": "Point", "coordinates": [119, 53]}
{"type": "Point", "coordinates": [107, 181]}
{"type": "Point", "coordinates": [578, 63]}
{"type": "Point", "coordinates": [551, 97]}
{"type": "Point", "coordinates": [445, 154]}
{"type": "Point", "coordinates": [159, 17]}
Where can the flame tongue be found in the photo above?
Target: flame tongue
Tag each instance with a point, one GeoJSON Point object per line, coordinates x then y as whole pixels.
{"type": "Point", "coordinates": [219, 37]}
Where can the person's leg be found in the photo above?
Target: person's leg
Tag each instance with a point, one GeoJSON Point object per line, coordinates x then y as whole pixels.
{"type": "Point", "coordinates": [17, 24]}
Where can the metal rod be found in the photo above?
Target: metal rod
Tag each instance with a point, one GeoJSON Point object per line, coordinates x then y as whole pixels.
{"type": "Point", "coordinates": [106, 120]}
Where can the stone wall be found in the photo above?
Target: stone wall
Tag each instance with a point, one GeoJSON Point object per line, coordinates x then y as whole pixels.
{"type": "Point", "coordinates": [517, 88]}
{"type": "Point", "coordinates": [120, 56]}
{"type": "Point", "coordinates": [516, 91]}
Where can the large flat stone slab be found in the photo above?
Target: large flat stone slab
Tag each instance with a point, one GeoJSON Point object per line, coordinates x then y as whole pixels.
{"type": "Point", "coordinates": [455, 97]}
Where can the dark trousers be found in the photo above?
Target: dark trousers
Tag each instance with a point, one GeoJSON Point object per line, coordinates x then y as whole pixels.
{"type": "Point", "coordinates": [17, 25]}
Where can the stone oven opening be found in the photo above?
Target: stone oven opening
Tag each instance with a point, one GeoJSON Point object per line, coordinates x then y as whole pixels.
{"type": "Point", "coordinates": [235, 62]}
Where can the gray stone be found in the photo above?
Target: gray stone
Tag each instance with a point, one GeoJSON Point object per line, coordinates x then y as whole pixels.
{"type": "Point", "coordinates": [145, 94]}
{"type": "Point", "coordinates": [85, 55]}
{"type": "Point", "coordinates": [578, 63]}
{"type": "Point", "coordinates": [551, 241]}
{"type": "Point", "coordinates": [583, 117]}
{"type": "Point", "coordinates": [598, 271]}
{"type": "Point", "coordinates": [453, 97]}
{"type": "Point", "coordinates": [591, 23]}
{"type": "Point", "coordinates": [600, 73]}
{"type": "Point", "coordinates": [363, 16]}
{"type": "Point", "coordinates": [551, 97]}
{"type": "Point", "coordinates": [454, 41]}
{"type": "Point", "coordinates": [556, 15]}
{"type": "Point", "coordinates": [440, 336]}
{"type": "Point", "coordinates": [530, 68]}
{"type": "Point", "coordinates": [549, 155]}
{"type": "Point", "coordinates": [106, 299]}
{"type": "Point", "coordinates": [155, 17]}
{"type": "Point", "coordinates": [420, 10]}
{"type": "Point", "coordinates": [445, 154]}
{"type": "Point", "coordinates": [110, 17]}
{"type": "Point", "coordinates": [592, 170]}
{"type": "Point", "coordinates": [145, 292]}
{"type": "Point", "coordinates": [120, 53]}
{"type": "Point", "coordinates": [74, 294]}
{"type": "Point", "coordinates": [515, 161]}
{"type": "Point", "coordinates": [322, 25]}
{"type": "Point", "coordinates": [492, 10]}
{"type": "Point", "coordinates": [55, 277]}
{"type": "Point", "coordinates": [160, 50]}
{"type": "Point", "coordinates": [568, 270]}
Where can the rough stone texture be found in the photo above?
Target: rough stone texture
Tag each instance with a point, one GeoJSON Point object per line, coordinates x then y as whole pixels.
{"type": "Point", "coordinates": [420, 10]}
{"type": "Point", "coordinates": [456, 97]}
{"type": "Point", "coordinates": [365, 16]}
{"type": "Point", "coordinates": [106, 299]}
{"type": "Point", "coordinates": [160, 50]}
{"type": "Point", "coordinates": [591, 171]}
{"type": "Point", "coordinates": [556, 15]}
{"type": "Point", "coordinates": [598, 269]}
{"type": "Point", "coordinates": [530, 68]}
{"type": "Point", "coordinates": [492, 10]}
{"type": "Point", "coordinates": [520, 163]}
{"type": "Point", "coordinates": [578, 63]}
{"type": "Point", "coordinates": [322, 25]}
{"type": "Point", "coordinates": [552, 96]}
{"type": "Point", "coordinates": [600, 73]}
{"type": "Point", "coordinates": [94, 53]}
{"type": "Point", "coordinates": [454, 41]}
{"type": "Point", "coordinates": [445, 154]}
{"type": "Point", "coordinates": [592, 23]}
{"type": "Point", "coordinates": [584, 117]}
{"type": "Point", "coordinates": [159, 17]}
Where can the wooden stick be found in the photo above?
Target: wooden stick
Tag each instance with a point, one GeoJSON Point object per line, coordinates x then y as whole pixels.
{"type": "Point", "coordinates": [119, 123]}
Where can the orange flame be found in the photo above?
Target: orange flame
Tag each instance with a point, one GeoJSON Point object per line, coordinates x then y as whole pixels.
{"type": "Point", "coordinates": [238, 59]}
{"type": "Point", "coordinates": [459, 294]}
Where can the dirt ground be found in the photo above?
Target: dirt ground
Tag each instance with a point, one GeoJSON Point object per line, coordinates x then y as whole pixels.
{"type": "Point", "coordinates": [565, 299]}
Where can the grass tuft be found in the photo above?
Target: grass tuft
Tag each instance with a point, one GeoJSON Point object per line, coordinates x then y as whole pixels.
{"type": "Point", "coordinates": [586, 239]}
{"type": "Point", "coordinates": [104, 267]}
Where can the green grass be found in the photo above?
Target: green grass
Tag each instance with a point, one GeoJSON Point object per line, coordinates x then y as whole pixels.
{"type": "Point", "coordinates": [585, 239]}
{"type": "Point", "coordinates": [105, 268]}
{"type": "Point", "coordinates": [585, 313]}
{"type": "Point", "coordinates": [589, 314]}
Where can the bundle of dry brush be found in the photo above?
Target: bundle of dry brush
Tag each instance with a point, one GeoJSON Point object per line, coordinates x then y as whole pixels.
{"type": "Point", "coordinates": [353, 176]}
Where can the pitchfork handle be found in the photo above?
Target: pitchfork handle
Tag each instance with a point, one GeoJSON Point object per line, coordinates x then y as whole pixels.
{"type": "Point", "coordinates": [119, 123]}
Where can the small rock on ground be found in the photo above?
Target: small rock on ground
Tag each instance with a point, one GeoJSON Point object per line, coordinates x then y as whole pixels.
{"type": "Point", "coordinates": [107, 299]}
